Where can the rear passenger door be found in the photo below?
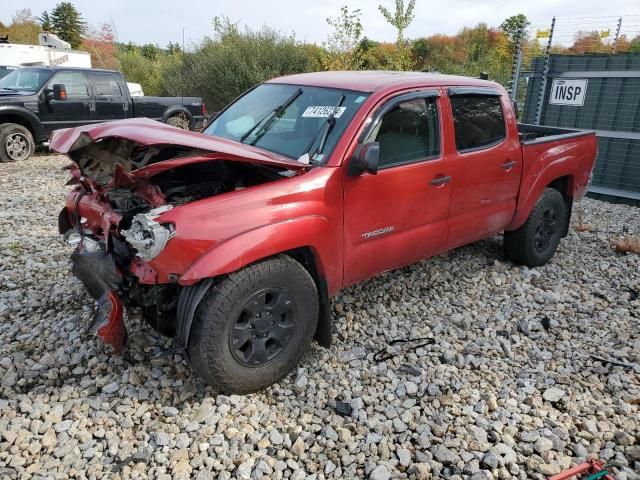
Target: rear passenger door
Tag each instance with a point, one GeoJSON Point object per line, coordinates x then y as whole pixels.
{"type": "Point", "coordinates": [110, 102]}
{"type": "Point", "coordinates": [399, 215]}
{"type": "Point", "coordinates": [486, 165]}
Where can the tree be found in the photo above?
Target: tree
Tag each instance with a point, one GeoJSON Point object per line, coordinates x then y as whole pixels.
{"type": "Point", "coordinates": [45, 22]}
{"type": "Point", "coordinates": [589, 41]}
{"type": "Point", "coordinates": [68, 23]}
{"type": "Point", "coordinates": [513, 25]}
{"type": "Point", "coordinates": [343, 42]}
{"type": "Point", "coordinates": [24, 28]}
{"type": "Point", "coordinates": [221, 68]}
{"type": "Point", "coordinates": [173, 47]}
{"type": "Point", "coordinates": [101, 45]}
{"type": "Point", "coordinates": [400, 19]}
{"type": "Point", "coordinates": [150, 51]}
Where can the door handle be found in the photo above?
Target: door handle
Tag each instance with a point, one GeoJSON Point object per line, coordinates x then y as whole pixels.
{"type": "Point", "coordinates": [440, 181]}
{"type": "Point", "coordinates": [508, 165]}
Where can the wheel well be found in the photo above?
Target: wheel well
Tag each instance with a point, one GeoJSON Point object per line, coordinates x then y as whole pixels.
{"type": "Point", "coordinates": [565, 186]}
{"type": "Point", "coordinates": [307, 258]}
{"type": "Point", "coordinates": [184, 113]}
{"type": "Point", "coordinates": [9, 118]}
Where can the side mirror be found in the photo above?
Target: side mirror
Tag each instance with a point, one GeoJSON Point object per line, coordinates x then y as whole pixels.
{"type": "Point", "coordinates": [59, 92]}
{"type": "Point", "coordinates": [365, 159]}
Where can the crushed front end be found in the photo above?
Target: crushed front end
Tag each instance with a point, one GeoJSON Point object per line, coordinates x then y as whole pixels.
{"type": "Point", "coordinates": [105, 256]}
{"type": "Point", "coordinates": [125, 214]}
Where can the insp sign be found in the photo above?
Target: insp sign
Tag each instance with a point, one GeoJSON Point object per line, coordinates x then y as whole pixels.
{"type": "Point", "coordinates": [568, 92]}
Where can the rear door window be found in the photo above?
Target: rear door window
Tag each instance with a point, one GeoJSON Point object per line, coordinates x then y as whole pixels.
{"type": "Point", "coordinates": [105, 85]}
{"type": "Point", "coordinates": [478, 121]}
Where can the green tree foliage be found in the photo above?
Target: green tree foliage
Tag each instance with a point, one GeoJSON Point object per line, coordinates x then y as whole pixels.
{"type": "Point", "coordinates": [471, 51]}
{"type": "Point", "coordinates": [221, 68]}
{"type": "Point", "coordinates": [150, 71]}
{"type": "Point", "coordinates": [68, 24]}
{"type": "Point", "coordinates": [341, 46]}
{"type": "Point", "coordinates": [45, 21]}
{"type": "Point", "coordinates": [513, 25]}
{"type": "Point", "coordinates": [401, 18]}
{"type": "Point", "coordinates": [24, 28]}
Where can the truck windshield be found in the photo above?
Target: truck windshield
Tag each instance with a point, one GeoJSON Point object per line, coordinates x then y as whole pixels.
{"type": "Point", "coordinates": [25, 79]}
{"type": "Point", "coordinates": [300, 122]}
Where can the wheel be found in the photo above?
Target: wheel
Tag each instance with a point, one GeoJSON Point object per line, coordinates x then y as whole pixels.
{"type": "Point", "coordinates": [535, 242]}
{"type": "Point", "coordinates": [16, 143]}
{"type": "Point", "coordinates": [253, 326]}
{"type": "Point", "coordinates": [179, 120]}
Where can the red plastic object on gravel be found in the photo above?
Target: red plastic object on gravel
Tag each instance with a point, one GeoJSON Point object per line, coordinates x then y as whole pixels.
{"type": "Point", "coordinates": [591, 469]}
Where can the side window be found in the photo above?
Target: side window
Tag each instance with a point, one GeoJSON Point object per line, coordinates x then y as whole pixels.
{"type": "Point", "coordinates": [478, 121]}
{"type": "Point", "coordinates": [106, 85]}
{"type": "Point", "coordinates": [408, 132]}
{"type": "Point", "coordinates": [74, 83]}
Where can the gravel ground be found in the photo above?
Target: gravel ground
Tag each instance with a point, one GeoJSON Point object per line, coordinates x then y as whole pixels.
{"type": "Point", "coordinates": [509, 388]}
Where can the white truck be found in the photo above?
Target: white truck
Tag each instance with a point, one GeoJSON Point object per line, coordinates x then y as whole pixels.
{"type": "Point", "coordinates": [51, 52]}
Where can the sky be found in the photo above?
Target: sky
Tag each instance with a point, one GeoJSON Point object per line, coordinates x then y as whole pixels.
{"type": "Point", "coordinates": [162, 21]}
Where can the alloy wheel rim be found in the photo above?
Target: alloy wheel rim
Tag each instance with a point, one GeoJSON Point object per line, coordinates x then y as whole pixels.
{"type": "Point", "coordinates": [545, 230]}
{"type": "Point", "coordinates": [263, 328]}
{"type": "Point", "coordinates": [17, 146]}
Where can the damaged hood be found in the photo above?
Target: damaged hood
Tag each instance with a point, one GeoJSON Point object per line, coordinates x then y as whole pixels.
{"type": "Point", "coordinates": [143, 132]}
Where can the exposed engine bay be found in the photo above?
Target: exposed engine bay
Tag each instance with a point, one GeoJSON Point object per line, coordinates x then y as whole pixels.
{"type": "Point", "coordinates": [122, 187]}
{"type": "Point", "coordinates": [108, 162]}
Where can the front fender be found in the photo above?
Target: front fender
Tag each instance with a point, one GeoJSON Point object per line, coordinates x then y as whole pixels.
{"type": "Point", "coordinates": [28, 116]}
{"type": "Point", "coordinates": [310, 231]}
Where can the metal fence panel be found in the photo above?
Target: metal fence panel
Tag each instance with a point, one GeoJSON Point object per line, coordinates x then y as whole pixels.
{"type": "Point", "coordinates": [611, 107]}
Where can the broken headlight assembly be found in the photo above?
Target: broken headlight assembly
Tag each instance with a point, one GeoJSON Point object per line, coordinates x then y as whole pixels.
{"type": "Point", "coordinates": [147, 236]}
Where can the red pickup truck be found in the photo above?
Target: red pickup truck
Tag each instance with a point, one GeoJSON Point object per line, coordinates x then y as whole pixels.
{"type": "Point", "coordinates": [233, 240]}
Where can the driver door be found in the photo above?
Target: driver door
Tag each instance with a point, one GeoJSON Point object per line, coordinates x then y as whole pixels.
{"type": "Point", "coordinates": [75, 110]}
{"type": "Point", "coordinates": [400, 215]}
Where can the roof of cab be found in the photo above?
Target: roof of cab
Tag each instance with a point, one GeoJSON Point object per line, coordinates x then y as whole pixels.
{"type": "Point", "coordinates": [370, 81]}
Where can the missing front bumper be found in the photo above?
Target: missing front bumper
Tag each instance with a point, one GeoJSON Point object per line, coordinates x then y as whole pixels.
{"type": "Point", "coordinates": [97, 270]}
{"type": "Point", "coordinates": [107, 322]}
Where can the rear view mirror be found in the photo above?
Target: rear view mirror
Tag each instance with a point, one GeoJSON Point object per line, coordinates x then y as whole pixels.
{"type": "Point", "coordinates": [365, 159]}
{"type": "Point", "coordinates": [59, 92]}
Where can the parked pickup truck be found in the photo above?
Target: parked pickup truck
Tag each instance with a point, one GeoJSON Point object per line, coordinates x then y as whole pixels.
{"type": "Point", "coordinates": [34, 101]}
{"type": "Point", "coordinates": [232, 241]}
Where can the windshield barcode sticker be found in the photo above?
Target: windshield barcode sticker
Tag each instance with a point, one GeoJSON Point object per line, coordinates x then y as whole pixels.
{"type": "Point", "coordinates": [323, 111]}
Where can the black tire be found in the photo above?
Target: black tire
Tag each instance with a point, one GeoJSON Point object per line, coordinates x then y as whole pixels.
{"type": "Point", "coordinates": [16, 143]}
{"type": "Point", "coordinates": [535, 242]}
{"type": "Point", "coordinates": [179, 120]}
{"type": "Point", "coordinates": [226, 312]}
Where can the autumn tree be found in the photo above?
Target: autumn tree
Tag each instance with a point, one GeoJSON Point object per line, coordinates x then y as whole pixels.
{"type": "Point", "coordinates": [589, 41]}
{"type": "Point", "coordinates": [100, 43]}
{"type": "Point", "coordinates": [24, 28]}
{"type": "Point", "coordinates": [68, 24]}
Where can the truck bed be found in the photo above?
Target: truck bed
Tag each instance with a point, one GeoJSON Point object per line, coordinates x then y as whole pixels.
{"type": "Point", "coordinates": [549, 150]}
{"type": "Point", "coordinates": [531, 134]}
